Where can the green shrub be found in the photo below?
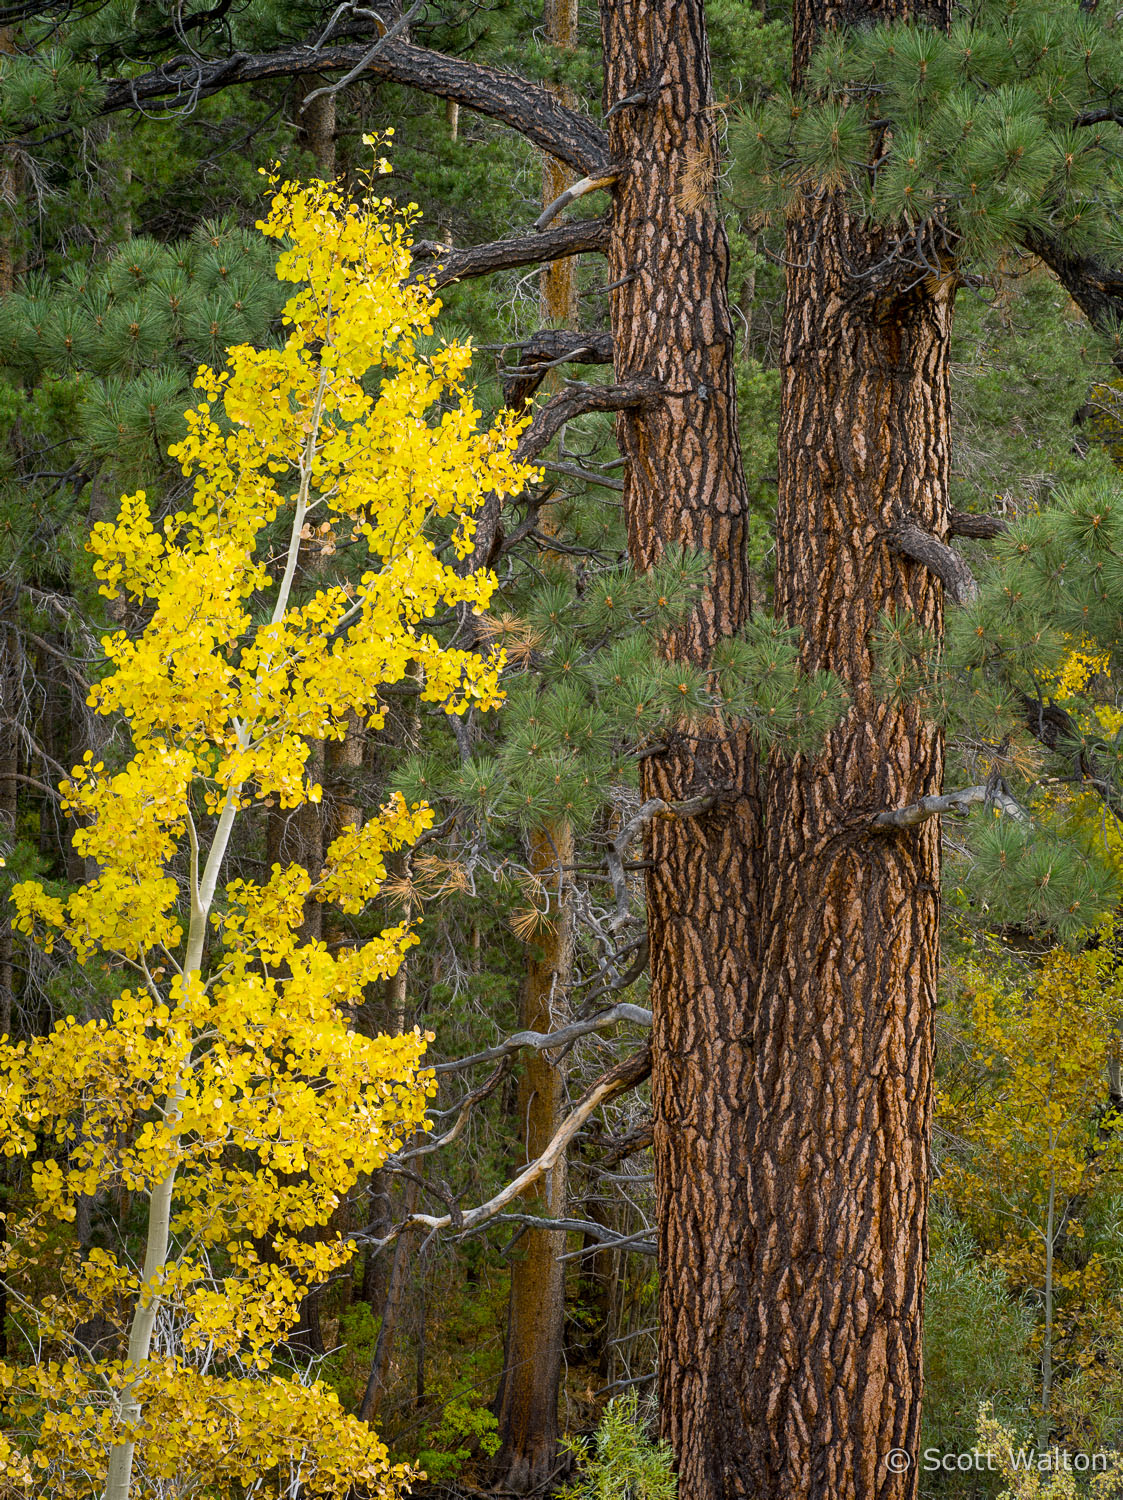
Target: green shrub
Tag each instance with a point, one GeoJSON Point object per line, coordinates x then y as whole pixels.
{"type": "Point", "coordinates": [622, 1461]}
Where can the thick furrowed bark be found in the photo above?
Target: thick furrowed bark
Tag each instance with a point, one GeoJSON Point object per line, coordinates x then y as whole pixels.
{"type": "Point", "coordinates": [839, 1113]}
{"type": "Point", "coordinates": [685, 485]}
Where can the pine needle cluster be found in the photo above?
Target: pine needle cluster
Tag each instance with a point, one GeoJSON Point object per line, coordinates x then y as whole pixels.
{"type": "Point", "coordinates": [956, 142]}
{"type": "Point", "coordinates": [591, 688]}
{"type": "Point", "coordinates": [1032, 688]}
{"type": "Point", "coordinates": [133, 329]}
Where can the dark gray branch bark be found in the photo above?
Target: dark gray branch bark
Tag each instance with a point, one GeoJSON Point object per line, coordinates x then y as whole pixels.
{"type": "Point", "coordinates": [605, 1238]}
{"type": "Point", "coordinates": [639, 1139]}
{"type": "Point", "coordinates": [575, 402]}
{"type": "Point", "coordinates": [444, 265]}
{"type": "Point", "coordinates": [951, 802]}
{"type": "Point", "coordinates": [940, 559]}
{"type": "Point", "coordinates": [1095, 287]}
{"type": "Point", "coordinates": [1109, 115]}
{"type": "Point", "coordinates": [984, 528]}
{"type": "Point", "coordinates": [1059, 732]}
{"type": "Point", "coordinates": [541, 1040]}
{"type": "Point", "coordinates": [544, 351]}
{"type": "Point", "coordinates": [532, 110]}
{"type": "Point", "coordinates": [654, 807]}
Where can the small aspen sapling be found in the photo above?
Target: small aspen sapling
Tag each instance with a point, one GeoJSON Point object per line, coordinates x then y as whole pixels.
{"type": "Point", "coordinates": [226, 1089]}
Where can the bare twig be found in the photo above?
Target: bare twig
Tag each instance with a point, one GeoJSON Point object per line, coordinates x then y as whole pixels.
{"type": "Point", "coordinates": [542, 1040]}
{"type": "Point", "coordinates": [606, 1239]}
{"type": "Point", "coordinates": [365, 61]}
{"type": "Point", "coordinates": [591, 184]}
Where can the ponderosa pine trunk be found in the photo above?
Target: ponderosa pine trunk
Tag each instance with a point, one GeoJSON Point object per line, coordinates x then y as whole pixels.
{"type": "Point", "coordinates": [685, 485]}
{"type": "Point", "coordinates": [839, 1114]}
{"type": "Point", "coordinates": [791, 995]}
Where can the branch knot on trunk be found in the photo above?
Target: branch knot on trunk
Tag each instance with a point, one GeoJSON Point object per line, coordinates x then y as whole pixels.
{"type": "Point", "coordinates": [912, 540]}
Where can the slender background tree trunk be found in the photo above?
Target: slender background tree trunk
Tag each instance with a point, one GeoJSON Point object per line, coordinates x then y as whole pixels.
{"type": "Point", "coordinates": [527, 1401]}
{"type": "Point", "coordinates": [527, 1405]}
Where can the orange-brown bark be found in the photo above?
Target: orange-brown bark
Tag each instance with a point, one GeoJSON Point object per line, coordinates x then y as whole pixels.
{"type": "Point", "coordinates": [685, 485]}
{"type": "Point", "coordinates": [839, 1112]}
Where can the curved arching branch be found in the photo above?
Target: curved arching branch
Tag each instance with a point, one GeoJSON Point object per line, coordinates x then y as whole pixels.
{"type": "Point", "coordinates": [617, 1080]}
{"type": "Point", "coordinates": [442, 265]}
{"type": "Point", "coordinates": [529, 108]}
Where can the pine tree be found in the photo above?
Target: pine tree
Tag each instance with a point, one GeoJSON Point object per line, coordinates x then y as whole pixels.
{"type": "Point", "coordinates": [879, 229]}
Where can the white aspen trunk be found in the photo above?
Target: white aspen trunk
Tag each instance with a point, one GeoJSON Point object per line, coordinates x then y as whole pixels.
{"type": "Point", "coordinates": [122, 1454]}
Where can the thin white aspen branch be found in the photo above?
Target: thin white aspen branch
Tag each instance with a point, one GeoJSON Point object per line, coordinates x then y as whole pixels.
{"type": "Point", "coordinates": [149, 1300]}
{"type": "Point", "coordinates": [193, 868]}
{"type": "Point", "coordinates": [301, 510]}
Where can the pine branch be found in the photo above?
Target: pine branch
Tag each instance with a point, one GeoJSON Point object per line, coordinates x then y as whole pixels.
{"type": "Point", "coordinates": [637, 1243]}
{"type": "Point", "coordinates": [951, 802]}
{"type": "Point", "coordinates": [464, 1109]}
{"type": "Point", "coordinates": [1095, 286]}
{"type": "Point", "coordinates": [575, 401]}
{"type": "Point", "coordinates": [586, 235]}
{"type": "Point", "coordinates": [983, 527]}
{"type": "Point", "coordinates": [944, 561]}
{"type": "Point", "coordinates": [654, 807]}
{"type": "Point", "coordinates": [1109, 115]}
{"type": "Point", "coordinates": [627, 1145]}
{"type": "Point", "coordinates": [546, 350]}
{"type": "Point", "coordinates": [606, 1239]}
{"type": "Point", "coordinates": [613, 979]}
{"type": "Point", "coordinates": [603, 178]}
{"type": "Point", "coordinates": [1058, 732]}
{"type": "Point", "coordinates": [534, 111]}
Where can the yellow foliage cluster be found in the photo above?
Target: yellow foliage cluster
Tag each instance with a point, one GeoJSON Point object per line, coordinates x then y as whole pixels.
{"type": "Point", "coordinates": [1084, 667]}
{"type": "Point", "coordinates": [226, 1086]}
{"type": "Point", "coordinates": [1029, 1140]}
{"type": "Point", "coordinates": [1049, 1474]}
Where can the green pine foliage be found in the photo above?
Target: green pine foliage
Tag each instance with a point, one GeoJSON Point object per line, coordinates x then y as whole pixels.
{"type": "Point", "coordinates": [590, 690]}
{"type": "Point", "coordinates": [957, 143]}
{"type": "Point", "coordinates": [1051, 587]}
{"type": "Point", "coordinates": [1025, 368]}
